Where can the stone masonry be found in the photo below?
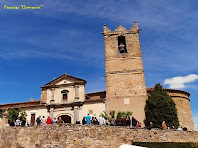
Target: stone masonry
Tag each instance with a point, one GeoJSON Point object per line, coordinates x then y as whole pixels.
{"type": "Point", "coordinates": [125, 81]}
{"type": "Point", "coordinates": [86, 136]}
{"type": "Point", "coordinates": [182, 101]}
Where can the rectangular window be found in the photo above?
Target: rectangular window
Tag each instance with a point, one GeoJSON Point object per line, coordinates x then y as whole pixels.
{"type": "Point", "coordinates": [64, 96]}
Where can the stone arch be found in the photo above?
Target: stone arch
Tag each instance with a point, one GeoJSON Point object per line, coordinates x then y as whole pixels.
{"type": "Point", "coordinates": [66, 117]}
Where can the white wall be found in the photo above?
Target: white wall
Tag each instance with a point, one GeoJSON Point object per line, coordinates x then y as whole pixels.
{"type": "Point", "coordinates": [58, 96]}
{"type": "Point", "coordinates": [38, 111]}
{"type": "Point", "coordinates": [97, 108]}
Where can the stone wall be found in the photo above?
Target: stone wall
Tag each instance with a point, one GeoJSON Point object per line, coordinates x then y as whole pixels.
{"type": "Point", "coordinates": [79, 136]}
{"type": "Point", "coordinates": [184, 112]}
{"type": "Point", "coordinates": [182, 101]}
{"type": "Point", "coordinates": [44, 95]}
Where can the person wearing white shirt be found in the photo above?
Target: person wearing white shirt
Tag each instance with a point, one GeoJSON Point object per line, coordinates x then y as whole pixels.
{"type": "Point", "coordinates": [100, 120]}
{"type": "Point", "coordinates": [18, 122]}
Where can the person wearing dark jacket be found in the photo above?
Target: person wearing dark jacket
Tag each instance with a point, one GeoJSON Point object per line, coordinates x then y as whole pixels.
{"type": "Point", "coordinates": [12, 123]}
{"type": "Point", "coordinates": [84, 120]}
{"type": "Point", "coordinates": [38, 120]}
{"type": "Point", "coordinates": [128, 122]}
{"type": "Point", "coordinates": [23, 122]}
{"type": "Point", "coordinates": [118, 122]}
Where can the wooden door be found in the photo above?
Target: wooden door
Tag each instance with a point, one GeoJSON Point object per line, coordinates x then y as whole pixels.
{"type": "Point", "coordinates": [32, 119]}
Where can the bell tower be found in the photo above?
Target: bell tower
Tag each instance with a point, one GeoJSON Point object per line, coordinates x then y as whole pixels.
{"type": "Point", "coordinates": [125, 81]}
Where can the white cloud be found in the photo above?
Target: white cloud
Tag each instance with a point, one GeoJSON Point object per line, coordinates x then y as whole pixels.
{"type": "Point", "coordinates": [180, 82]}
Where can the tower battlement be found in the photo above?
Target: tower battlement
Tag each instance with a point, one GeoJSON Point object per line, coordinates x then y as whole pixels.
{"type": "Point", "coordinates": [120, 30]}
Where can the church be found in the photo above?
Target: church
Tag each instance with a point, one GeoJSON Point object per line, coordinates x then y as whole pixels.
{"type": "Point", "coordinates": [125, 87]}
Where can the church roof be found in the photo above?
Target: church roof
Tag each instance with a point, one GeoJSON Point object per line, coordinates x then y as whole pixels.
{"type": "Point", "coordinates": [149, 89]}
{"type": "Point", "coordinates": [21, 104]}
{"type": "Point", "coordinates": [96, 95]}
{"type": "Point", "coordinates": [66, 77]}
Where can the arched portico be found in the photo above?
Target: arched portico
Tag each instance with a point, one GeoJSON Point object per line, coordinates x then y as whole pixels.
{"type": "Point", "coordinates": [67, 118]}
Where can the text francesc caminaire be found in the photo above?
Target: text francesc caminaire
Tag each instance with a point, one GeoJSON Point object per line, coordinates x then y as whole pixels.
{"type": "Point", "coordinates": [23, 7]}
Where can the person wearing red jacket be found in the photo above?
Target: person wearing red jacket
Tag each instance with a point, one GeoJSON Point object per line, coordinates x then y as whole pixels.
{"type": "Point", "coordinates": [49, 120]}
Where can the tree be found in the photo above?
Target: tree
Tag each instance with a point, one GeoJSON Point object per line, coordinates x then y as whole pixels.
{"type": "Point", "coordinates": [124, 114]}
{"type": "Point", "coordinates": [23, 114]}
{"type": "Point", "coordinates": [1, 114]}
{"type": "Point", "coordinates": [14, 113]}
{"type": "Point", "coordinates": [160, 107]}
{"type": "Point", "coordinates": [105, 115]}
{"type": "Point", "coordinates": [112, 114]}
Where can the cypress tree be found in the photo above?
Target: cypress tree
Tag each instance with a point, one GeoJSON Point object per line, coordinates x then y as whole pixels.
{"type": "Point", "coordinates": [160, 107]}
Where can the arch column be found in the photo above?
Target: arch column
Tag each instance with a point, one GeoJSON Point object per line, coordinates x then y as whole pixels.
{"type": "Point", "coordinates": [52, 112]}
{"type": "Point", "coordinates": [76, 114]}
{"type": "Point", "coordinates": [76, 108]}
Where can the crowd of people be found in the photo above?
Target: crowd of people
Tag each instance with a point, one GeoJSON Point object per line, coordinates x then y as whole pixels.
{"type": "Point", "coordinates": [86, 120]}
{"type": "Point", "coordinates": [43, 121]}
{"type": "Point", "coordinates": [122, 122]}
{"type": "Point", "coordinates": [113, 122]}
{"type": "Point", "coordinates": [18, 122]}
{"type": "Point", "coordinates": [90, 121]}
{"type": "Point", "coordinates": [39, 121]}
{"type": "Point", "coordinates": [164, 127]}
{"type": "Point", "coordinates": [93, 120]}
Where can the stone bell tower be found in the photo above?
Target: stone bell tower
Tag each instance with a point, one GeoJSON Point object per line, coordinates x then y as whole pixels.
{"type": "Point", "coordinates": [125, 81]}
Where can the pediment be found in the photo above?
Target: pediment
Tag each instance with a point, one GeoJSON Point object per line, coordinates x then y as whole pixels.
{"type": "Point", "coordinates": [65, 79]}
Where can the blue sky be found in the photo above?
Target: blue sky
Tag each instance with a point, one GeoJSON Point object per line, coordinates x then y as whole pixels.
{"type": "Point", "coordinates": [64, 37]}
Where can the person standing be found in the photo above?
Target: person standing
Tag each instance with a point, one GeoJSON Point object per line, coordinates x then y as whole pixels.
{"type": "Point", "coordinates": [139, 125]}
{"type": "Point", "coordinates": [164, 127]}
{"type": "Point", "coordinates": [151, 125]}
{"type": "Point", "coordinates": [128, 122]}
{"type": "Point", "coordinates": [101, 120]}
{"type": "Point", "coordinates": [49, 120]}
{"type": "Point", "coordinates": [12, 123]}
{"type": "Point", "coordinates": [123, 121]}
{"type": "Point", "coordinates": [43, 120]}
{"type": "Point", "coordinates": [18, 122]}
{"type": "Point", "coordinates": [60, 121]}
{"type": "Point", "coordinates": [88, 118]}
{"type": "Point", "coordinates": [95, 121]}
{"type": "Point", "coordinates": [54, 121]}
{"type": "Point", "coordinates": [23, 122]}
{"type": "Point", "coordinates": [38, 120]}
{"type": "Point", "coordinates": [112, 123]}
{"type": "Point", "coordinates": [84, 120]}
{"type": "Point", "coordinates": [92, 121]}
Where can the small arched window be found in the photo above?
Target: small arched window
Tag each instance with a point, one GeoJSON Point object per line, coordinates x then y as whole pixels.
{"type": "Point", "coordinates": [121, 45]}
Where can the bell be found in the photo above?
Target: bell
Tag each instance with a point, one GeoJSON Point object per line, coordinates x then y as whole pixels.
{"type": "Point", "coordinates": [121, 48]}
